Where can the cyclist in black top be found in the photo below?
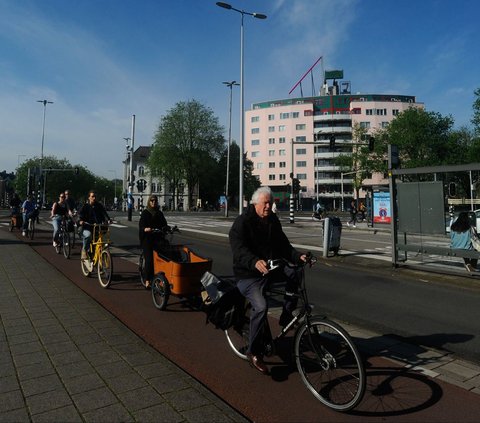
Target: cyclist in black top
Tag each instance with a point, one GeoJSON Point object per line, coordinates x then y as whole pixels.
{"type": "Point", "coordinates": [59, 210]}
{"type": "Point", "coordinates": [151, 218]}
{"type": "Point", "coordinates": [90, 213]}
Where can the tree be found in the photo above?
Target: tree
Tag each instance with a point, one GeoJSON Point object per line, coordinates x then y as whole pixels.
{"type": "Point", "coordinates": [185, 134]}
{"type": "Point", "coordinates": [423, 138]}
{"type": "Point", "coordinates": [476, 112]}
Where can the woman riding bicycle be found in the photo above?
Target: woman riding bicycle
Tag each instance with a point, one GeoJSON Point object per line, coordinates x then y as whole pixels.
{"type": "Point", "coordinates": [59, 211]}
{"type": "Point", "coordinates": [256, 236]}
{"type": "Point", "coordinates": [151, 218]}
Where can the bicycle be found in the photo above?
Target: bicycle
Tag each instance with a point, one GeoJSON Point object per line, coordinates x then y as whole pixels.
{"type": "Point", "coordinates": [327, 359]}
{"type": "Point", "coordinates": [31, 224]}
{"type": "Point", "coordinates": [166, 231]}
{"type": "Point", "coordinates": [63, 239]}
{"type": "Point", "coordinates": [99, 255]}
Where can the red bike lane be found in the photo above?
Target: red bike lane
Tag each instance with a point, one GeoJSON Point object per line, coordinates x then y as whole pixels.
{"type": "Point", "coordinates": [180, 333]}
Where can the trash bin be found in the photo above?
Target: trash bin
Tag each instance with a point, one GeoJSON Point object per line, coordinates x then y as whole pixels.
{"type": "Point", "coordinates": [331, 235]}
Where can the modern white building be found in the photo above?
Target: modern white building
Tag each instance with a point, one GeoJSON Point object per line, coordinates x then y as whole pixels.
{"type": "Point", "coordinates": [293, 136]}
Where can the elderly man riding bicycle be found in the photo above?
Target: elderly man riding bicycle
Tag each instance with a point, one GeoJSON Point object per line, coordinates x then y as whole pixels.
{"type": "Point", "coordinates": [256, 236]}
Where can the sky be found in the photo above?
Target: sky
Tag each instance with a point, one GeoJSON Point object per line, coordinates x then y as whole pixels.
{"type": "Point", "coordinates": [102, 61]}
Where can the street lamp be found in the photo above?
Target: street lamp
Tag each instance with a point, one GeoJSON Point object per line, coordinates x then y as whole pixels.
{"type": "Point", "coordinates": [242, 91]}
{"type": "Point", "coordinates": [44, 102]}
{"type": "Point", "coordinates": [229, 85]}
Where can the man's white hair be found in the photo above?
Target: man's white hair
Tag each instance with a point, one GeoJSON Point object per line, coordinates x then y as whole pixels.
{"type": "Point", "coordinates": [261, 191]}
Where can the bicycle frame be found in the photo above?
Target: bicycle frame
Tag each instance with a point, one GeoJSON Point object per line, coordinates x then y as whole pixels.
{"type": "Point", "coordinates": [100, 240]}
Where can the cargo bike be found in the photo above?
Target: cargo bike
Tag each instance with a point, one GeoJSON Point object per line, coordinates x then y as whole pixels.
{"type": "Point", "coordinates": [177, 271]}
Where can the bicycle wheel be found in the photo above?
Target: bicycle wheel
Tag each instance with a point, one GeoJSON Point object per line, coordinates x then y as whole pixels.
{"type": "Point", "coordinates": [329, 364]}
{"type": "Point", "coordinates": [238, 335]}
{"type": "Point", "coordinates": [141, 270]}
{"type": "Point", "coordinates": [160, 291]}
{"type": "Point", "coordinates": [31, 227]}
{"type": "Point", "coordinates": [65, 239]}
{"type": "Point", "coordinates": [105, 268]}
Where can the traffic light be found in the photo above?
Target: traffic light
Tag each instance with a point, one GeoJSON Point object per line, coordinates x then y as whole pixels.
{"type": "Point", "coordinates": [452, 189]}
{"type": "Point", "coordinates": [371, 144]}
{"type": "Point", "coordinates": [296, 185]}
{"type": "Point", "coordinates": [332, 143]}
{"type": "Point", "coordinates": [76, 170]}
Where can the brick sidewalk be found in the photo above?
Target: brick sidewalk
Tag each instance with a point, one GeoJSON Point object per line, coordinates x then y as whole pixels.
{"type": "Point", "coordinates": [65, 358]}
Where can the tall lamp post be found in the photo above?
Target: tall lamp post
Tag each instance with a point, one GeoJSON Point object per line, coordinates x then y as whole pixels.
{"type": "Point", "coordinates": [44, 102]}
{"type": "Point", "coordinates": [242, 91]}
{"type": "Point", "coordinates": [229, 85]}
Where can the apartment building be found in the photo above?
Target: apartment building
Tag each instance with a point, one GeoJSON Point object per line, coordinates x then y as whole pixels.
{"type": "Point", "coordinates": [292, 136]}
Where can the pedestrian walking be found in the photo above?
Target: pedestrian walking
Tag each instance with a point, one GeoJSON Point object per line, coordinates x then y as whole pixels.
{"type": "Point", "coordinates": [353, 214]}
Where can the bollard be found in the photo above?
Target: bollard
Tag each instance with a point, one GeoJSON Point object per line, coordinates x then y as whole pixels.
{"type": "Point", "coordinates": [292, 217]}
{"type": "Point", "coordinates": [326, 236]}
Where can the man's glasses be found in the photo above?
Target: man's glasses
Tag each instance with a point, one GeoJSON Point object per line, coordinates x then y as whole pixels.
{"type": "Point", "coordinates": [153, 201]}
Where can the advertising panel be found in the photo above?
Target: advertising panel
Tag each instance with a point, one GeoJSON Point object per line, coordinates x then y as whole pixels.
{"type": "Point", "coordinates": [381, 207]}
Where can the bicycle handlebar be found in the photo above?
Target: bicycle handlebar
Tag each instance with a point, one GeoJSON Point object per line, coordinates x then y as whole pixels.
{"type": "Point", "coordinates": [273, 264]}
{"type": "Point", "coordinates": [165, 230]}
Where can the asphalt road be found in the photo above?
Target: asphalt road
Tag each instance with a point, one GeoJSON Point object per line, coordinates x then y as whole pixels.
{"type": "Point", "coordinates": [427, 309]}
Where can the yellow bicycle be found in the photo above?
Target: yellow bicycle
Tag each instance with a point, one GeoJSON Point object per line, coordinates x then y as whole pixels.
{"type": "Point", "coordinates": [99, 255]}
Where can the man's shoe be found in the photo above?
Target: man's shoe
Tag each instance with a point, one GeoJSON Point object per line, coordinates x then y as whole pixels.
{"type": "Point", "coordinates": [84, 255]}
{"type": "Point", "coordinates": [285, 318]}
{"type": "Point", "coordinates": [257, 362]}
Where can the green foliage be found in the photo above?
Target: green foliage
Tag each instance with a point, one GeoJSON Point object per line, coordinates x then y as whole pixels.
{"type": "Point", "coordinates": [61, 177]}
{"type": "Point", "coordinates": [476, 112]}
{"type": "Point", "coordinates": [185, 136]}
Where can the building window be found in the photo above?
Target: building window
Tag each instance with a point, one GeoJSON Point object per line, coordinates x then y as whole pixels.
{"type": "Point", "coordinates": [282, 177]}
{"type": "Point", "coordinates": [301, 164]}
{"type": "Point", "coordinates": [255, 153]}
{"type": "Point", "coordinates": [301, 176]}
{"type": "Point", "coordinates": [255, 119]}
{"type": "Point", "coordinates": [271, 129]}
{"type": "Point", "coordinates": [154, 187]}
{"type": "Point", "coordinates": [271, 165]}
{"type": "Point", "coordinates": [255, 142]}
{"type": "Point", "coordinates": [369, 112]}
{"type": "Point", "coordinates": [395, 112]}
{"type": "Point", "coordinates": [281, 128]}
{"type": "Point", "coordinates": [301, 139]}
{"type": "Point", "coordinates": [284, 115]}
{"type": "Point", "coordinates": [260, 165]}
{"type": "Point", "coordinates": [255, 130]}
{"type": "Point", "coordinates": [301, 151]}
{"type": "Point", "coordinates": [271, 177]}
{"type": "Point", "coordinates": [365, 125]}
{"type": "Point", "coordinates": [281, 140]}
{"type": "Point", "coordinates": [271, 117]}
{"type": "Point", "coordinates": [384, 124]}
{"type": "Point", "coordinates": [282, 164]}
{"type": "Point", "coordinates": [141, 171]}
{"type": "Point", "coordinates": [281, 152]}
{"type": "Point", "coordinates": [300, 127]}
{"type": "Point", "coordinates": [271, 140]}
{"type": "Point", "coordinates": [381, 112]}
{"type": "Point", "coordinates": [271, 153]}
{"type": "Point", "coordinates": [295, 115]}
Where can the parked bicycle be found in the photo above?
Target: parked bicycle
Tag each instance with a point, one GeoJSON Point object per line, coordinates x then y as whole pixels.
{"type": "Point", "coordinates": [63, 239]}
{"type": "Point", "coordinates": [326, 357]}
{"type": "Point", "coordinates": [99, 255]}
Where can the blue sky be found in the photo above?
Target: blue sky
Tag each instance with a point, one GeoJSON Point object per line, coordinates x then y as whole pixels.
{"type": "Point", "coordinates": [101, 61]}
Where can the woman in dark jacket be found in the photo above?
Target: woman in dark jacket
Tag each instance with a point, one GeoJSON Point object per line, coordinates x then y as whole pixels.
{"type": "Point", "coordinates": [150, 219]}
